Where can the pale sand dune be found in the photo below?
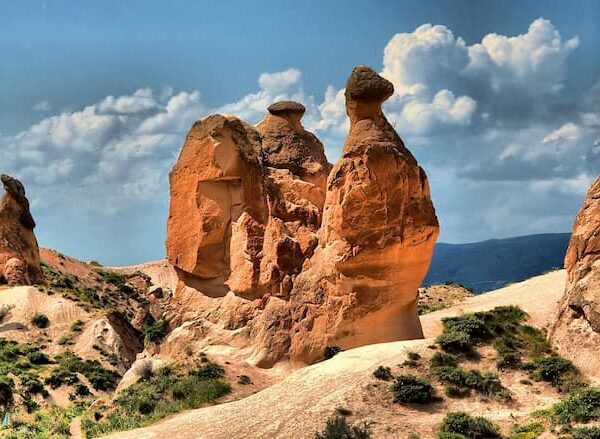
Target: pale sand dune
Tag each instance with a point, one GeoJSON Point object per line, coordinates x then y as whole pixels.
{"type": "Point", "coordinates": [298, 406]}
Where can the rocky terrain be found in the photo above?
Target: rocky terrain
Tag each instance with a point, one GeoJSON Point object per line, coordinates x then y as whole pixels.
{"type": "Point", "coordinates": [290, 296]}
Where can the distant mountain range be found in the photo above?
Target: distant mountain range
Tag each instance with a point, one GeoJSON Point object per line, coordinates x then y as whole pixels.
{"type": "Point", "coordinates": [488, 265]}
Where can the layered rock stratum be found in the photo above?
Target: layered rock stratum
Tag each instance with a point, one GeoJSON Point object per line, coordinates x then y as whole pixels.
{"type": "Point", "coordinates": [279, 254]}
{"type": "Point", "coordinates": [19, 253]}
{"type": "Point", "coordinates": [576, 331]}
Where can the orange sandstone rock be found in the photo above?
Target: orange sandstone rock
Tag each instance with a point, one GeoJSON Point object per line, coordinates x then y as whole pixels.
{"type": "Point", "coordinates": [576, 332]}
{"type": "Point", "coordinates": [278, 254]}
{"type": "Point", "coordinates": [19, 252]}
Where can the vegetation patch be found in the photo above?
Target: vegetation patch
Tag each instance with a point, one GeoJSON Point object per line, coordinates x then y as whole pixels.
{"type": "Point", "coordinates": [413, 389]}
{"type": "Point", "coordinates": [459, 382]}
{"type": "Point", "coordinates": [586, 433]}
{"type": "Point", "coordinates": [556, 370]}
{"type": "Point", "coordinates": [70, 364]}
{"type": "Point", "coordinates": [40, 320]}
{"type": "Point", "coordinates": [157, 396]}
{"type": "Point", "coordinates": [155, 331]}
{"type": "Point", "coordinates": [527, 431]}
{"type": "Point", "coordinates": [383, 373]}
{"type": "Point", "coordinates": [518, 346]}
{"type": "Point", "coordinates": [5, 311]}
{"type": "Point", "coordinates": [338, 428]}
{"type": "Point", "coordinates": [581, 406]}
{"type": "Point", "coordinates": [52, 423]}
{"type": "Point", "coordinates": [460, 425]}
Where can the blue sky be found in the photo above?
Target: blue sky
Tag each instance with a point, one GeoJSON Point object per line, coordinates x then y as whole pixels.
{"type": "Point", "coordinates": [95, 99]}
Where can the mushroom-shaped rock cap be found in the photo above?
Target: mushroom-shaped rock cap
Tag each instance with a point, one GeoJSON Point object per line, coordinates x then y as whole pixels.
{"type": "Point", "coordinates": [13, 186]}
{"type": "Point", "coordinates": [286, 107]}
{"type": "Point", "coordinates": [364, 84]}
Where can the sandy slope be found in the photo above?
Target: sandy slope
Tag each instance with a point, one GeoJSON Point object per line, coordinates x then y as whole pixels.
{"type": "Point", "coordinates": [298, 406]}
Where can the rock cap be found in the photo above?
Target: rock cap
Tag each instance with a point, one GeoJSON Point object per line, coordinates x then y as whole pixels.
{"type": "Point", "coordinates": [364, 84]}
{"type": "Point", "coordinates": [286, 107]}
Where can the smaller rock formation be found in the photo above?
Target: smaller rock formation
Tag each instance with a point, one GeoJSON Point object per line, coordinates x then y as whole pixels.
{"type": "Point", "coordinates": [19, 252]}
{"type": "Point", "coordinates": [576, 332]}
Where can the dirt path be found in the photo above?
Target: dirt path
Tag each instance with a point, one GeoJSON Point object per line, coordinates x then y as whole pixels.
{"type": "Point", "coordinates": [75, 428]}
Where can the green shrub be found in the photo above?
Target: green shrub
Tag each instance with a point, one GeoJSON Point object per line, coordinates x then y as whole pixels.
{"type": "Point", "coordinates": [412, 389]}
{"type": "Point", "coordinates": [77, 326]}
{"type": "Point", "coordinates": [156, 331]}
{"type": "Point", "coordinates": [440, 359]}
{"type": "Point", "coordinates": [65, 340]}
{"type": "Point", "coordinates": [32, 385]}
{"type": "Point", "coordinates": [4, 311]}
{"type": "Point", "coordinates": [470, 324]}
{"type": "Point", "coordinates": [586, 433]}
{"type": "Point", "coordinates": [527, 431]}
{"type": "Point", "coordinates": [209, 371]}
{"type": "Point", "coordinates": [338, 428]}
{"type": "Point", "coordinates": [383, 373]}
{"type": "Point", "coordinates": [455, 341]}
{"type": "Point", "coordinates": [40, 320]}
{"type": "Point", "coordinates": [581, 406]}
{"type": "Point", "coordinates": [244, 379]}
{"type": "Point", "coordinates": [38, 357]}
{"type": "Point", "coordinates": [7, 387]}
{"type": "Point", "coordinates": [466, 426]}
{"type": "Point", "coordinates": [460, 381]}
{"type": "Point", "coordinates": [552, 369]}
{"type": "Point", "coordinates": [331, 351]}
{"type": "Point", "coordinates": [81, 389]}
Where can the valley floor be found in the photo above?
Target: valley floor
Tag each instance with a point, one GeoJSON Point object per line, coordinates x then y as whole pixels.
{"type": "Point", "coordinates": [299, 405]}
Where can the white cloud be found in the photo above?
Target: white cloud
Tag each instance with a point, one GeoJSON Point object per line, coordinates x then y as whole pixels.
{"type": "Point", "coordinates": [417, 61]}
{"type": "Point", "coordinates": [534, 61]}
{"type": "Point", "coordinates": [43, 106]}
{"type": "Point", "coordinates": [279, 82]}
{"type": "Point", "coordinates": [493, 169]}
{"type": "Point", "coordinates": [568, 131]}
{"type": "Point", "coordinates": [419, 117]}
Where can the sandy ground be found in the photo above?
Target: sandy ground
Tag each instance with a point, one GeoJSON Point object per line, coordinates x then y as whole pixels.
{"type": "Point", "coordinates": [25, 302]}
{"type": "Point", "coordinates": [298, 405]}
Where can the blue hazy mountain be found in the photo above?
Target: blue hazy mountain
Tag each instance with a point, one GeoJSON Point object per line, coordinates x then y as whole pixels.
{"type": "Point", "coordinates": [487, 265]}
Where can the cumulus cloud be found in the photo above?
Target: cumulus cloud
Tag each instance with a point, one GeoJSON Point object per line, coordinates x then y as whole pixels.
{"type": "Point", "coordinates": [503, 159]}
{"type": "Point", "coordinates": [531, 61]}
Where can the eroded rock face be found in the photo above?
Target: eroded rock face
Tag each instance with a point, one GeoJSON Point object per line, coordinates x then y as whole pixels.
{"type": "Point", "coordinates": [278, 254]}
{"type": "Point", "coordinates": [576, 333]}
{"type": "Point", "coordinates": [19, 252]}
{"type": "Point", "coordinates": [379, 229]}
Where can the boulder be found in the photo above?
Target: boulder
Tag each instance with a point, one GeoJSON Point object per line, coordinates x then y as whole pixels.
{"type": "Point", "coordinates": [576, 331]}
{"type": "Point", "coordinates": [19, 253]}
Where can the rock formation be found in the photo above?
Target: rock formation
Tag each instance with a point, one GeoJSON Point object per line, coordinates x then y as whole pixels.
{"type": "Point", "coordinates": [576, 332]}
{"type": "Point", "coordinates": [280, 255]}
{"type": "Point", "coordinates": [19, 252]}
